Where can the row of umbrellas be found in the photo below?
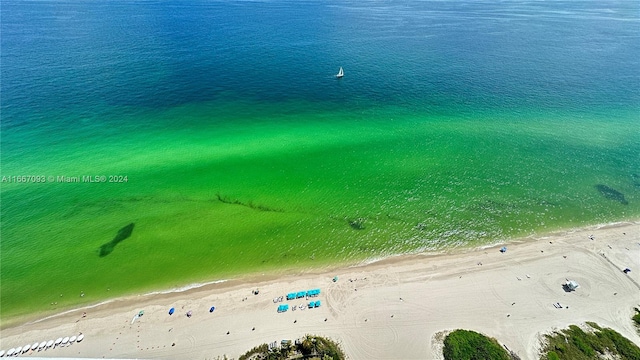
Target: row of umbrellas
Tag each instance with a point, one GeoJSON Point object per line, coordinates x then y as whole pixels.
{"type": "Point", "coordinates": [67, 340]}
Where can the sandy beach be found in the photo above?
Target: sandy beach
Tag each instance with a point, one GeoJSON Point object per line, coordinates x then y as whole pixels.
{"type": "Point", "coordinates": [391, 309]}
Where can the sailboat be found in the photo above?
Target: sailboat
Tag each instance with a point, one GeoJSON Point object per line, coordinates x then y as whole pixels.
{"type": "Point", "coordinates": [340, 73]}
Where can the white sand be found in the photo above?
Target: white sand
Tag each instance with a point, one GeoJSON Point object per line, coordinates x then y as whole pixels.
{"type": "Point", "coordinates": [392, 309]}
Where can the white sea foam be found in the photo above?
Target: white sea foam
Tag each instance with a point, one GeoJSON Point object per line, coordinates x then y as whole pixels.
{"type": "Point", "coordinates": [161, 292]}
{"type": "Point", "coordinates": [185, 288]}
{"type": "Point", "coordinates": [72, 310]}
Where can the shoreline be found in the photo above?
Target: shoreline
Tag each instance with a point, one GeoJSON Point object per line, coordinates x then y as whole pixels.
{"type": "Point", "coordinates": [276, 275]}
{"type": "Point", "coordinates": [377, 310]}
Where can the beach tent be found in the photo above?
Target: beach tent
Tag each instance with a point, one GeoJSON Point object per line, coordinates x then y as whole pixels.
{"type": "Point", "coordinates": [311, 305]}
{"type": "Point", "coordinates": [49, 343]}
{"type": "Point", "coordinates": [72, 339]}
{"type": "Point", "coordinates": [301, 294]}
{"type": "Point", "coordinates": [11, 351]}
{"type": "Point", "coordinates": [80, 337]}
{"type": "Point", "coordinates": [318, 303]}
{"type": "Point", "coordinates": [335, 278]}
{"type": "Point", "coordinates": [65, 340]}
{"type": "Point", "coordinates": [1, 353]}
{"type": "Point", "coordinates": [212, 308]}
{"type": "Point", "coordinates": [26, 348]}
{"type": "Point", "coordinates": [18, 350]}
{"type": "Point", "coordinates": [56, 343]}
{"type": "Point", "coordinates": [189, 313]}
{"type": "Point", "coordinates": [42, 345]}
{"type": "Point", "coordinates": [35, 345]}
{"type": "Point", "coordinates": [503, 249]}
{"type": "Point", "coordinates": [291, 296]}
{"type": "Point", "coordinates": [626, 270]}
{"type": "Point", "coordinates": [171, 311]}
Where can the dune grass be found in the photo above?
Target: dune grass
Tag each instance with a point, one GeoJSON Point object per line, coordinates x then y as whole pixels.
{"type": "Point", "coordinates": [309, 347]}
{"type": "Point", "coordinates": [470, 345]}
{"type": "Point", "coordinates": [594, 342]}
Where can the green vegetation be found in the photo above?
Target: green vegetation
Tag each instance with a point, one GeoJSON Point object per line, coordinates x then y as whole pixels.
{"type": "Point", "coordinates": [636, 318]}
{"type": "Point", "coordinates": [575, 343]}
{"type": "Point", "coordinates": [310, 347]}
{"type": "Point", "coordinates": [470, 345]}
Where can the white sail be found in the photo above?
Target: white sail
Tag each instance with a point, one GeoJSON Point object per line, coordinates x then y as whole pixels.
{"type": "Point", "coordinates": [340, 73]}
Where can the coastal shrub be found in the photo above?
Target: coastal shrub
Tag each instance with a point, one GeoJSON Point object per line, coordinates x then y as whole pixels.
{"type": "Point", "coordinates": [260, 349]}
{"type": "Point", "coordinates": [309, 347]}
{"type": "Point", "coordinates": [470, 345]}
{"type": "Point", "coordinates": [595, 342]}
{"type": "Point", "coordinates": [636, 318]}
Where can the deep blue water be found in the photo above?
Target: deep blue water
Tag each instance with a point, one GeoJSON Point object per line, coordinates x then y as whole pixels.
{"type": "Point", "coordinates": [439, 55]}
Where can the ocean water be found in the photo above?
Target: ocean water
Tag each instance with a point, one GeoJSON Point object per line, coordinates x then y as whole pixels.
{"type": "Point", "coordinates": [457, 124]}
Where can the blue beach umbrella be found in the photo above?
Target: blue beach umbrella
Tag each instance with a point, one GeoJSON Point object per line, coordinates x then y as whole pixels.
{"type": "Point", "coordinates": [212, 308]}
{"type": "Point", "coordinates": [171, 311]}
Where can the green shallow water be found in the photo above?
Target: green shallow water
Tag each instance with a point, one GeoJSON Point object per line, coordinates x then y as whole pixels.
{"type": "Point", "coordinates": [300, 189]}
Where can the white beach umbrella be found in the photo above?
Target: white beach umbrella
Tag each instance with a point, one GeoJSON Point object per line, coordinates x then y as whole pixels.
{"type": "Point", "coordinates": [34, 346]}
{"type": "Point", "coordinates": [26, 348]}
{"type": "Point", "coordinates": [80, 337]}
{"type": "Point", "coordinates": [49, 343]}
{"type": "Point", "coordinates": [72, 339]}
{"type": "Point", "coordinates": [18, 350]}
{"type": "Point", "coordinates": [65, 340]}
{"type": "Point", "coordinates": [11, 351]}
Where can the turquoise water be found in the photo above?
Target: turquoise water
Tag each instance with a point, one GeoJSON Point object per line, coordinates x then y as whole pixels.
{"type": "Point", "coordinates": [456, 124]}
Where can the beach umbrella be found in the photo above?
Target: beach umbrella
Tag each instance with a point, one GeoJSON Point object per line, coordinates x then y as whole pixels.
{"type": "Point", "coordinates": [189, 313]}
{"type": "Point", "coordinates": [72, 339]}
{"type": "Point", "coordinates": [49, 343]}
{"type": "Point", "coordinates": [55, 343]}
{"type": "Point", "coordinates": [503, 249]}
{"type": "Point", "coordinates": [65, 340]}
{"type": "Point", "coordinates": [35, 345]}
{"type": "Point", "coordinates": [212, 308]}
{"type": "Point", "coordinates": [80, 337]}
{"type": "Point", "coordinates": [171, 311]}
